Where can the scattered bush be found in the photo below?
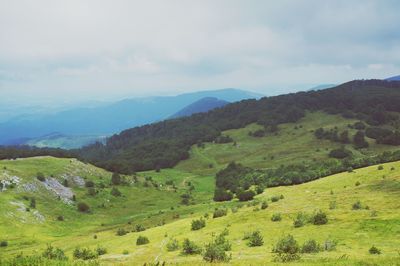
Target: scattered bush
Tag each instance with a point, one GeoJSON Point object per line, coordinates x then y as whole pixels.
{"type": "Point", "coordinates": [60, 218]}
{"type": "Point", "coordinates": [3, 243]}
{"type": "Point", "coordinates": [310, 246]}
{"type": "Point", "coordinates": [357, 183]}
{"type": "Point", "coordinates": [115, 192]}
{"type": "Point", "coordinates": [255, 239]}
{"type": "Point", "coordinates": [221, 194]}
{"type": "Point", "coordinates": [139, 228]}
{"type": "Point", "coordinates": [198, 224]}
{"type": "Point", "coordinates": [40, 177]}
{"type": "Point", "coordinates": [264, 205]}
{"type": "Point", "coordinates": [142, 240]}
{"type": "Point", "coordinates": [115, 179]}
{"type": "Point", "coordinates": [245, 195]}
{"type": "Point", "coordinates": [89, 183]}
{"type": "Point", "coordinates": [190, 248]}
{"type": "Point", "coordinates": [83, 207]}
{"type": "Point", "coordinates": [121, 232]}
{"type": "Point", "coordinates": [125, 252]}
{"type": "Point", "coordinates": [54, 253]}
{"type": "Point", "coordinates": [275, 198]}
{"type": "Point", "coordinates": [276, 217]}
{"type": "Point", "coordinates": [216, 250]}
{"type": "Point", "coordinates": [84, 254]}
{"type": "Point", "coordinates": [374, 250]}
{"type": "Point", "coordinates": [301, 220]}
{"type": "Point", "coordinates": [287, 249]}
{"type": "Point", "coordinates": [380, 167]}
{"type": "Point", "coordinates": [101, 251]}
{"type": "Point", "coordinates": [330, 245]}
{"type": "Point", "coordinates": [172, 245]}
{"type": "Point", "coordinates": [220, 212]}
{"type": "Point", "coordinates": [357, 205]}
{"type": "Point", "coordinates": [319, 218]}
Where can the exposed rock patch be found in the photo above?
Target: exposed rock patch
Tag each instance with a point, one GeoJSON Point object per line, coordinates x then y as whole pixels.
{"type": "Point", "coordinates": [64, 193]}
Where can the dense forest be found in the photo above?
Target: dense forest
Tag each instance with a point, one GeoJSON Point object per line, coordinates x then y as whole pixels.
{"type": "Point", "coordinates": [164, 144]}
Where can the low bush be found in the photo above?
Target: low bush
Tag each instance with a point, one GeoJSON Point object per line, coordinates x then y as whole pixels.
{"type": "Point", "coordinates": [40, 177]}
{"type": "Point", "coordinates": [115, 192]}
{"type": "Point", "coordinates": [139, 228]}
{"type": "Point", "coordinates": [264, 205]}
{"type": "Point", "coordinates": [3, 243]}
{"type": "Point", "coordinates": [220, 212]}
{"type": "Point", "coordinates": [310, 246]}
{"type": "Point", "coordinates": [301, 220]}
{"type": "Point", "coordinates": [215, 251]}
{"type": "Point", "coordinates": [89, 183]}
{"type": "Point", "coordinates": [190, 248]}
{"type": "Point", "coordinates": [275, 198]}
{"type": "Point", "coordinates": [53, 253]}
{"type": "Point", "coordinates": [276, 217]}
{"type": "Point", "coordinates": [84, 254]}
{"type": "Point", "coordinates": [374, 250]}
{"type": "Point", "coordinates": [60, 218]}
{"type": "Point", "coordinates": [142, 240]}
{"type": "Point", "coordinates": [357, 205]}
{"type": "Point", "coordinates": [172, 245]}
{"type": "Point", "coordinates": [101, 251]}
{"type": "Point", "coordinates": [330, 245]}
{"type": "Point", "coordinates": [83, 207]}
{"type": "Point", "coordinates": [198, 224]}
{"type": "Point", "coordinates": [319, 218]}
{"type": "Point", "coordinates": [121, 232]}
{"type": "Point", "coordinates": [286, 249]}
{"type": "Point", "coordinates": [255, 239]}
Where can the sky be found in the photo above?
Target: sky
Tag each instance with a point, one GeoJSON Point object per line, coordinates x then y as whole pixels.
{"type": "Point", "coordinates": [79, 50]}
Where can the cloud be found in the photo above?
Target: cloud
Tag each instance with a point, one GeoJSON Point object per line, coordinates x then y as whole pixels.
{"type": "Point", "coordinates": [98, 48]}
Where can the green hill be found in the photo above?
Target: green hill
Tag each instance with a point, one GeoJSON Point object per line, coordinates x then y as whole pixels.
{"type": "Point", "coordinates": [354, 231]}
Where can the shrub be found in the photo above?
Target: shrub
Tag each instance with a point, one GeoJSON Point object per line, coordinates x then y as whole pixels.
{"type": "Point", "coordinates": [89, 183]}
{"type": "Point", "coordinates": [83, 207]}
{"type": "Point", "coordinates": [139, 228]}
{"type": "Point", "coordinates": [255, 239]}
{"type": "Point", "coordinates": [264, 205]}
{"type": "Point", "coordinates": [40, 177]}
{"type": "Point", "coordinates": [286, 249]}
{"type": "Point", "coordinates": [60, 218]}
{"type": "Point", "coordinates": [319, 218]}
{"type": "Point", "coordinates": [380, 167]}
{"type": "Point", "coordinates": [259, 189]}
{"type": "Point", "coordinates": [301, 220]}
{"type": "Point", "coordinates": [84, 254]}
{"type": "Point", "coordinates": [330, 245]}
{"type": "Point", "coordinates": [101, 251]}
{"type": "Point", "coordinates": [357, 183]}
{"type": "Point", "coordinates": [276, 217]}
{"type": "Point", "coordinates": [172, 245]}
{"type": "Point", "coordinates": [219, 213]}
{"type": "Point", "coordinates": [216, 250]}
{"type": "Point", "coordinates": [275, 198]}
{"type": "Point", "coordinates": [32, 203]}
{"type": "Point", "coordinates": [54, 253]}
{"type": "Point", "coordinates": [190, 248]}
{"type": "Point", "coordinates": [3, 243]}
{"type": "Point", "coordinates": [374, 250]}
{"type": "Point", "coordinates": [198, 224]}
{"type": "Point", "coordinates": [245, 195]}
{"type": "Point", "coordinates": [310, 246]}
{"type": "Point", "coordinates": [115, 179]}
{"type": "Point", "coordinates": [357, 205]}
{"type": "Point", "coordinates": [115, 192]}
{"type": "Point", "coordinates": [121, 232]}
{"type": "Point", "coordinates": [142, 240]}
{"type": "Point", "coordinates": [340, 153]}
{"type": "Point", "coordinates": [125, 252]}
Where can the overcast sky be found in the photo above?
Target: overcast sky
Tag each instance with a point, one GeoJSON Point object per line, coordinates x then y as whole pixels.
{"type": "Point", "coordinates": [80, 49]}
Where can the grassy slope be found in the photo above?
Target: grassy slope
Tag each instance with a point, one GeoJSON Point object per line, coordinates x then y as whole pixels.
{"type": "Point", "coordinates": [355, 231]}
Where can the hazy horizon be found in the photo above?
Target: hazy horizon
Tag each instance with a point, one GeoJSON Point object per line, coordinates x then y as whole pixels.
{"type": "Point", "coordinates": [78, 51]}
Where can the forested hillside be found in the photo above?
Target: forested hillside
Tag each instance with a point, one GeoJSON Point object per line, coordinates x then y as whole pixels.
{"type": "Point", "coordinates": [164, 144]}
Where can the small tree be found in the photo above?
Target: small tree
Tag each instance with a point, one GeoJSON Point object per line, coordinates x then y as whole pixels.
{"type": "Point", "coordinates": [255, 239]}
{"type": "Point", "coordinates": [121, 232]}
{"type": "Point", "coordinates": [264, 205]}
{"type": "Point", "coordinates": [190, 248]}
{"type": "Point", "coordinates": [287, 249]}
{"type": "Point", "coordinates": [319, 218]}
{"type": "Point", "coordinates": [198, 224]}
{"type": "Point", "coordinates": [142, 240]}
{"type": "Point", "coordinates": [115, 179]}
{"type": "Point", "coordinates": [219, 213]}
{"type": "Point", "coordinates": [276, 217]}
{"type": "Point", "coordinates": [374, 250]}
{"type": "Point", "coordinates": [172, 245]}
{"type": "Point", "coordinates": [310, 246]}
{"type": "Point", "coordinates": [54, 253]}
{"type": "Point", "coordinates": [301, 220]}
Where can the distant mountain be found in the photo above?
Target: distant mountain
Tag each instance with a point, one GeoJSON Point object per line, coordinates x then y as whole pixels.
{"type": "Point", "coordinates": [201, 106]}
{"type": "Point", "coordinates": [395, 78]}
{"type": "Point", "coordinates": [322, 87]}
{"type": "Point", "coordinates": [110, 118]}
{"type": "Point", "coordinates": [58, 140]}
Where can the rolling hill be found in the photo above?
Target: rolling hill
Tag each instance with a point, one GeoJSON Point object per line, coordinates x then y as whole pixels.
{"type": "Point", "coordinates": [107, 119]}
{"type": "Point", "coordinates": [201, 106]}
